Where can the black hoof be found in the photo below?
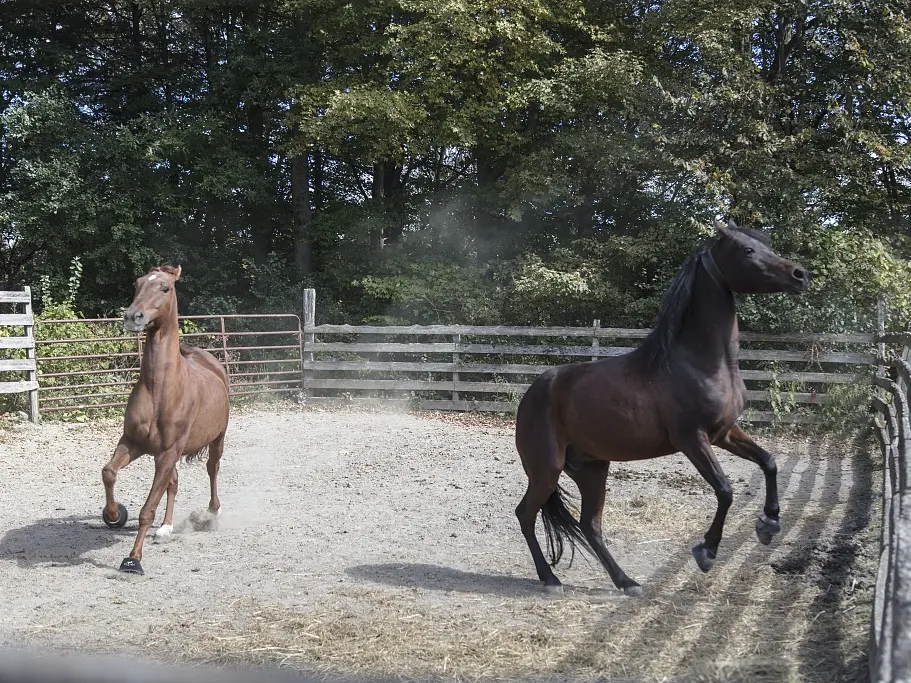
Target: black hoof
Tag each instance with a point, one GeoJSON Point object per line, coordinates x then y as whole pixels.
{"type": "Point", "coordinates": [634, 590]}
{"type": "Point", "coordinates": [705, 557]}
{"type": "Point", "coordinates": [766, 529]}
{"type": "Point", "coordinates": [121, 517]}
{"type": "Point", "coordinates": [131, 566]}
{"type": "Point", "coordinates": [553, 586]}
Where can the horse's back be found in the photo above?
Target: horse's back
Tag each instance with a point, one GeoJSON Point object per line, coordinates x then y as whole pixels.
{"type": "Point", "coordinates": [200, 359]}
{"type": "Point", "coordinates": [209, 382]}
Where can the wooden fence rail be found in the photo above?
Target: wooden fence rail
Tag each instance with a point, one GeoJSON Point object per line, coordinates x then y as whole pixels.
{"type": "Point", "coordinates": [890, 627]}
{"type": "Point", "coordinates": [488, 368]}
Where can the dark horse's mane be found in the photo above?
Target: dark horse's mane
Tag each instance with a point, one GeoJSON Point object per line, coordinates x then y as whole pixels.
{"type": "Point", "coordinates": [674, 310]}
{"type": "Point", "coordinates": [678, 302]}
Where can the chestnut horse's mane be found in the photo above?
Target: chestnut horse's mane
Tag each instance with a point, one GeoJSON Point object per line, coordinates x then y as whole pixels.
{"type": "Point", "coordinates": [170, 270]}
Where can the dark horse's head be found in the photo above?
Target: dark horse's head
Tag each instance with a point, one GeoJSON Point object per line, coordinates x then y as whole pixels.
{"type": "Point", "coordinates": [154, 301]}
{"type": "Point", "coordinates": [749, 266]}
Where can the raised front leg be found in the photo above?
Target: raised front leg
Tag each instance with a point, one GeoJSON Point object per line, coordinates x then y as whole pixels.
{"type": "Point", "coordinates": [742, 445]}
{"type": "Point", "coordinates": [164, 468]}
{"type": "Point", "coordinates": [114, 514]}
{"type": "Point", "coordinates": [698, 449]}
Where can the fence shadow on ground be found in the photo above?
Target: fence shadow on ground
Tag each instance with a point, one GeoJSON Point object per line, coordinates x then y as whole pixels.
{"type": "Point", "coordinates": [690, 626]}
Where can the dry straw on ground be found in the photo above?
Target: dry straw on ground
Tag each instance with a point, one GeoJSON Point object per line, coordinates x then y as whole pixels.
{"type": "Point", "coordinates": [749, 626]}
{"type": "Point", "coordinates": [800, 614]}
{"type": "Point", "coordinates": [802, 618]}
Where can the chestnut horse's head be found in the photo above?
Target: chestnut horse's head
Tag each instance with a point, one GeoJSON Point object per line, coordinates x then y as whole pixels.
{"type": "Point", "coordinates": [154, 301]}
{"type": "Point", "coordinates": [749, 266]}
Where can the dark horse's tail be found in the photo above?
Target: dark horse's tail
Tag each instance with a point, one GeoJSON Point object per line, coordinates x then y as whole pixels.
{"type": "Point", "coordinates": [560, 525]}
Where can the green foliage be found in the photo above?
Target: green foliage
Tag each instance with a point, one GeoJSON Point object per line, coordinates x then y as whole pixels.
{"type": "Point", "coordinates": [431, 293]}
{"type": "Point", "coordinates": [466, 161]}
{"type": "Point", "coordinates": [58, 354]}
{"type": "Point", "coordinates": [846, 407]}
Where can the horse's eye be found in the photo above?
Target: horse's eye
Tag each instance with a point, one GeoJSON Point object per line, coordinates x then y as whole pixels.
{"type": "Point", "coordinates": [168, 289]}
{"type": "Point", "coordinates": [749, 250]}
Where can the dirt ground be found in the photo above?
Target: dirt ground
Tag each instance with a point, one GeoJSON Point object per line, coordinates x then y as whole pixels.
{"type": "Point", "coordinates": [385, 543]}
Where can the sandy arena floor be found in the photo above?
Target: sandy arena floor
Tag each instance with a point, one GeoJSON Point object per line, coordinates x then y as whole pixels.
{"type": "Point", "coordinates": [376, 542]}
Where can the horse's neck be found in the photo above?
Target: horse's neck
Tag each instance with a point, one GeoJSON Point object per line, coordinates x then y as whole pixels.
{"type": "Point", "coordinates": [711, 328]}
{"type": "Point", "coordinates": [161, 357]}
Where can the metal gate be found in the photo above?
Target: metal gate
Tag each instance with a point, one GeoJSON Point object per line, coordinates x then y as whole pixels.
{"type": "Point", "coordinates": [86, 364]}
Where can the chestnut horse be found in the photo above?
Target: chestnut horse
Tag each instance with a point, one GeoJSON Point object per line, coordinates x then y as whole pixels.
{"type": "Point", "coordinates": [680, 390]}
{"type": "Point", "coordinates": [178, 407]}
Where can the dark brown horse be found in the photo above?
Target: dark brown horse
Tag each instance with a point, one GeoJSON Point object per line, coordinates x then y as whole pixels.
{"type": "Point", "coordinates": [178, 407]}
{"type": "Point", "coordinates": [681, 390]}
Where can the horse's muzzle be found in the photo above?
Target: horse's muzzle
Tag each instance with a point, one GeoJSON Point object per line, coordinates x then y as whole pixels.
{"type": "Point", "coordinates": [134, 321]}
{"type": "Point", "coordinates": [799, 280]}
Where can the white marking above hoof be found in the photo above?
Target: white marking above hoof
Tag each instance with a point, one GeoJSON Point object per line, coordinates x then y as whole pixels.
{"type": "Point", "coordinates": [164, 533]}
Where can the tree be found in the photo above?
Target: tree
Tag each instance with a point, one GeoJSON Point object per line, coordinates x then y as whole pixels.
{"type": "Point", "coordinates": [522, 161]}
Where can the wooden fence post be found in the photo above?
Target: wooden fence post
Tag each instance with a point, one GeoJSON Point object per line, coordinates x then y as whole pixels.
{"type": "Point", "coordinates": [309, 338]}
{"type": "Point", "coordinates": [878, 648]}
{"type": "Point", "coordinates": [596, 325]}
{"type": "Point", "coordinates": [32, 374]}
{"type": "Point", "coordinates": [456, 340]}
{"type": "Point", "coordinates": [900, 643]}
{"type": "Point", "coordinates": [224, 348]}
{"type": "Point", "coordinates": [880, 331]}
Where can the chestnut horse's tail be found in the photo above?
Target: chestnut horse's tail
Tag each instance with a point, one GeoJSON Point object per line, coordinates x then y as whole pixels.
{"type": "Point", "coordinates": [560, 525]}
{"type": "Point", "coordinates": [190, 457]}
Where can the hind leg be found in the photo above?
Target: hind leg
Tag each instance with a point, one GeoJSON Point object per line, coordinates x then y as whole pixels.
{"type": "Point", "coordinates": [167, 526]}
{"type": "Point", "coordinates": [543, 458]}
{"type": "Point", "coordinates": [527, 513]}
{"type": "Point", "coordinates": [213, 464]}
{"type": "Point", "coordinates": [591, 479]}
{"type": "Point", "coordinates": [740, 444]}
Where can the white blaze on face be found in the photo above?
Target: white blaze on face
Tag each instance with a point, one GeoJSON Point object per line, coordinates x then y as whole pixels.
{"type": "Point", "coordinates": [152, 277]}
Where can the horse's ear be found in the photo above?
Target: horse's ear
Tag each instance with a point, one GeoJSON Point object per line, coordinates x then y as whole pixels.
{"type": "Point", "coordinates": [731, 224]}
{"type": "Point", "coordinates": [177, 274]}
{"type": "Point", "coordinates": [722, 229]}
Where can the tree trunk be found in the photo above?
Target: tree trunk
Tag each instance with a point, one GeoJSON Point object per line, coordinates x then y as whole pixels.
{"type": "Point", "coordinates": [257, 214]}
{"type": "Point", "coordinates": [318, 179]}
{"type": "Point", "coordinates": [301, 216]}
{"type": "Point", "coordinates": [377, 193]}
{"type": "Point", "coordinates": [392, 198]}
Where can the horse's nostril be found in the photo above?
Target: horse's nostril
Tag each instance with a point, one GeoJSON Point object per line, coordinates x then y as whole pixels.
{"type": "Point", "coordinates": [800, 274]}
{"type": "Point", "coordinates": [139, 316]}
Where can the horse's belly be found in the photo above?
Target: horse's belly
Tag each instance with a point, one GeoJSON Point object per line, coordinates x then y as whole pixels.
{"type": "Point", "coordinates": [620, 430]}
{"type": "Point", "coordinates": [211, 419]}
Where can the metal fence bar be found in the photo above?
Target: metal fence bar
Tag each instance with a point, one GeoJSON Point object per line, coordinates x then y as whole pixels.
{"type": "Point", "coordinates": [261, 371]}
